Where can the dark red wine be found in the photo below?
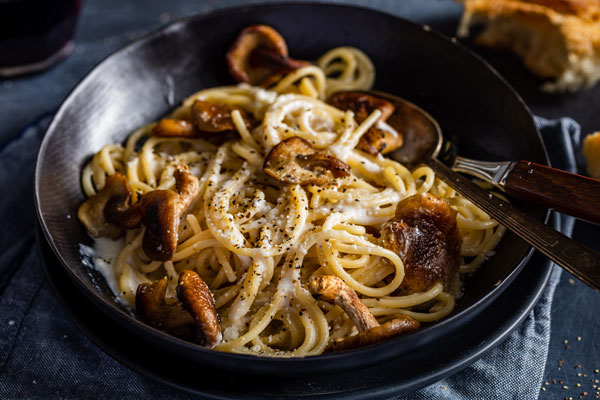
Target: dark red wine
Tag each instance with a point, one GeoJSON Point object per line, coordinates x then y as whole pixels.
{"type": "Point", "coordinates": [35, 33]}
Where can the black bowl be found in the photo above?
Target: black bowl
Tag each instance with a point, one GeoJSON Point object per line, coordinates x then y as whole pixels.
{"type": "Point", "coordinates": [384, 380]}
{"type": "Point", "coordinates": [137, 84]}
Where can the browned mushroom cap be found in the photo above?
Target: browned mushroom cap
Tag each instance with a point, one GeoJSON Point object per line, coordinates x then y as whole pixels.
{"type": "Point", "coordinates": [332, 289]}
{"type": "Point", "coordinates": [118, 210]}
{"type": "Point", "coordinates": [167, 127]}
{"type": "Point", "coordinates": [162, 210]}
{"type": "Point", "coordinates": [209, 117]}
{"type": "Point", "coordinates": [212, 117]}
{"type": "Point", "coordinates": [295, 161]}
{"type": "Point", "coordinates": [425, 235]}
{"type": "Point", "coordinates": [258, 52]}
{"type": "Point", "coordinates": [92, 212]}
{"type": "Point", "coordinates": [361, 104]}
{"type": "Point", "coordinates": [377, 139]}
{"type": "Point", "coordinates": [187, 186]}
{"type": "Point", "coordinates": [277, 63]}
{"type": "Point", "coordinates": [398, 326]}
{"type": "Point", "coordinates": [197, 299]}
{"type": "Point", "coordinates": [161, 219]}
{"type": "Point", "coordinates": [151, 307]}
{"type": "Point", "coordinates": [110, 211]}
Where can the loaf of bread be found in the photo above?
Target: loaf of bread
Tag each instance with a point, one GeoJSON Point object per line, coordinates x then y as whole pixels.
{"type": "Point", "coordinates": [591, 152]}
{"type": "Point", "coordinates": [557, 39]}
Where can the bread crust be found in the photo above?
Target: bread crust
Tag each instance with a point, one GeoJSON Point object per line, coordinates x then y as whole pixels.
{"type": "Point", "coordinates": [557, 39]}
{"type": "Point", "coordinates": [591, 152]}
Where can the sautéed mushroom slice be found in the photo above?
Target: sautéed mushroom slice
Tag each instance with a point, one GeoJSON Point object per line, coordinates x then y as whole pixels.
{"type": "Point", "coordinates": [380, 138]}
{"type": "Point", "coordinates": [193, 317]}
{"type": "Point", "coordinates": [295, 161]}
{"type": "Point", "coordinates": [334, 290]}
{"type": "Point", "coordinates": [425, 235]}
{"type": "Point", "coordinates": [110, 211]}
{"type": "Point", "coordinates": [259, 53]}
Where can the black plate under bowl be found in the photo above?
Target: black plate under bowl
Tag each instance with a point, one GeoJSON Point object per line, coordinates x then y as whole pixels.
{"type": "Point", "coordinates": [404, 375]}
{"type": "Point", "coordinates": [135, 85]}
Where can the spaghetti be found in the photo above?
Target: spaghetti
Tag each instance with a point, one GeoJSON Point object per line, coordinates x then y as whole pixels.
{"type": "Point", "coordinates": [257, 242]}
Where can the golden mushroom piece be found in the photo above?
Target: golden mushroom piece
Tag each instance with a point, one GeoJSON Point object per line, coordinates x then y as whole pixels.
{"type": "Point", "coordinates": [110, 211]}
{"type": "Point", "coordinates": [193, 317]}
{"type": "Point", "coordinates": [151, 307]}
{"type": "Point", "coordinates": [212, 121]}
{"type": "Point", "coordinates": [168, 127]}
{"type": "Point", "coordinates": [332, 289]}
{"type": "Point", "coordinates": [378, 139]}
{"type": "Point", "coordinates": [92, 212]}
{"type": "Point", "coordinates": [362, 104]}
{"type": "Point", "coordinates": [196, 297]}
{"type": "Point", "coordinates": [258, 53]}
{"type": "Point", "coordinates": [215, 117]}
{"type": "Point", "coordinates": [425, 235]}
{"type": "Point", "coordinates": [163, 210]}
{"type": "Point", "coordinates": [295, 161]}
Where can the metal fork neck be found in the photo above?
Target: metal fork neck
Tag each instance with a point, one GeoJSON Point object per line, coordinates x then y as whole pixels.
{"type": "Point", "coordinates": [494, 172]}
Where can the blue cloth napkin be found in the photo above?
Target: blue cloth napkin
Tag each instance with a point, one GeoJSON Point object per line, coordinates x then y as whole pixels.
{"type": "Point", "coordinates": [44, 356]}
{"type": "Point", "coordinates": [515, 369]}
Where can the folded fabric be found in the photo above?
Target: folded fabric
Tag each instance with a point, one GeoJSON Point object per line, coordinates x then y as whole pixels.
{"type": "Point", "coordinates": [515, 369]}
{"type": "Point", "coordinates": [44, 356]}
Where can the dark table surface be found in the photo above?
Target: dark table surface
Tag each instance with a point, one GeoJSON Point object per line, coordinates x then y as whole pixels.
{"type": "Point", "coordinates": [106, 25]}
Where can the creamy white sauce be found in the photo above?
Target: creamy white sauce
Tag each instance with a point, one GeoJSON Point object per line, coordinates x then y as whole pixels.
{"type": "Point", "coordinates": [245, 260]}
{"type": "Point", "coordinates": [340, 150]}
{"type": "Point", "coordinates": [197, 170]}
{"type": "Point", "coordinates": [231, 333]}
{"type": "Point", "coordinates": [370, 166]}
{"type": "Point", "coordinates": [263, 96]}
{"type": "Point", "coordinates": [320, 124]}
{"type": "Point", "coordinates": [240, 308]}
{"type": "Point", "coordinates": [384, 126]}
{"type": "Point", "coordinates": [100, 258]}
{"type": "Point", "coordinates": [286, 284]}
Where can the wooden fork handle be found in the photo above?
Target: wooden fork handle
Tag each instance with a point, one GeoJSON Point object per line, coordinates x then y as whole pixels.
{"type": "Point", "coordinates": [576, 258]}
{"type": "Point", "coordinates": [575, 195]}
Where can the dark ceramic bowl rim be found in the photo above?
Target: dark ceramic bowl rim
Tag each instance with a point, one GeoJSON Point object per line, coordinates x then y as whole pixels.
{"type": "Point", "coordinates": [404, 385]}
{"type": "Point", "coordinates": [269, 363]}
